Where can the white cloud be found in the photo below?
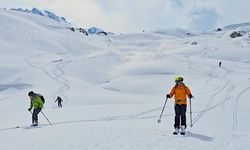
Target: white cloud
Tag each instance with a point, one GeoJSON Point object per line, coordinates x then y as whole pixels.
{"type": "Point", "coordinates": [204, 18]}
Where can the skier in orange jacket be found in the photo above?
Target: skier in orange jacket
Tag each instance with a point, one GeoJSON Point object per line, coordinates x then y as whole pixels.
{"type": "Point", "coordinates": [180, 91]}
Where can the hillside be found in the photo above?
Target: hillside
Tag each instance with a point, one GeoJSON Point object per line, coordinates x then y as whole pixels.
{"type": "Point", "coordinates": [114, 87]}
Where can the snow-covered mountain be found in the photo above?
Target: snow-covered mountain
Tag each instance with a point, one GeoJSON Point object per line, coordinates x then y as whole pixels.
{"type": "Point", "coordinates": [45, 13]}
{"type": "Point", "coordinates": [114, 87]}
{"type": "Point", "coordinates": [51, 15]}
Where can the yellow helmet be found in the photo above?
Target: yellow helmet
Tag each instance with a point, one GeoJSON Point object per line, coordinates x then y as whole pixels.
{"type": "Point", "coordinates": [178, 78]}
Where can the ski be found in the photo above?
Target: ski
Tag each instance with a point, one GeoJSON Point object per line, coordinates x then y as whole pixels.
{"type": "Point", "coordinates": [26, 127]}
{"type": "Point", "coordinates": [32, 127]}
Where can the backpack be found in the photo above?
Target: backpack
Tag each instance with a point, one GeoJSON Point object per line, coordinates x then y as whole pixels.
{"type": "Point", "coordinates": [42, 98]}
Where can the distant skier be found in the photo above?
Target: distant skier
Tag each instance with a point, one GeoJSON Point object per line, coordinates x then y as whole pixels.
{"type": "Point", "coordinates": [59, 101]}
{"type": "Point", "coordinates": [180, 91]}
{"type": "Point", "coordinates": [220, 64]}
{"type": "Point", "coordinates": [36, 102]}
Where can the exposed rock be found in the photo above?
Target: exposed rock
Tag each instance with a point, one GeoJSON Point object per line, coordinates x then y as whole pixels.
{"type": "Point", "coordinates": [72, 29]}
{"type": "Point", "coordinates": [235, 34]}
{"type": "Point", "coordinates": [194, 43]}
{"type": "Point", "coordinates": [83, 31]}
{"type": "Point", "coordinates": [219, 29]}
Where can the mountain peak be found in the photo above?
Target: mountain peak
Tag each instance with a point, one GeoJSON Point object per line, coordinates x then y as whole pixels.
{"type": "Point", "coordinates": [44, 13]}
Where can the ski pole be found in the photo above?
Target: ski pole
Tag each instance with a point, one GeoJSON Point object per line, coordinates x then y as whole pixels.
{"type": "Point", "coordinates": [46, 118]}
{"type": "Point", "coordinates": [191, 121]}
{"type": "Point", "coordinates": [159, 120]}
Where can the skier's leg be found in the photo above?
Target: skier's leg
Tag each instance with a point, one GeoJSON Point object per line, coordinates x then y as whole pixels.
{"type": "Point", "coordinates": [177, 116]}
{"type": "Point", "coordinates": [35, 116]}
{"type": "Point", "coordinates": [183, 115]}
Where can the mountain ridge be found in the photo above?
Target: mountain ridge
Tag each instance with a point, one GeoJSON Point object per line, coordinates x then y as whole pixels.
{"type": "Point", "coordinates": [45, 13]}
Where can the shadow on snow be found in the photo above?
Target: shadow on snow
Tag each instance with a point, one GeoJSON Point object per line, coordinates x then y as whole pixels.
{"type": "Point", "coordinates": [199, 136]}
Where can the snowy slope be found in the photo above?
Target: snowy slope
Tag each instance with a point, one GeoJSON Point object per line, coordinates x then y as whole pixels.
{"type": "Point", "coordinates": [114, 87]}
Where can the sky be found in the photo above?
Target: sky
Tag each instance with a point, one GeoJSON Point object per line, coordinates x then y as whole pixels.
{"type": "Point", "coordinates": [127, 16]}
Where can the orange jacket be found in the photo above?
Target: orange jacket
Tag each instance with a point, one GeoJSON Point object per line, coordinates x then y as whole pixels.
{"type": "Point", "coordinates": [180, 92]}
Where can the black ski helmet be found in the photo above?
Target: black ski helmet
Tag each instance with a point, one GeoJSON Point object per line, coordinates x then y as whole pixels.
{"type": "Point", "coordinates": [31, 93]}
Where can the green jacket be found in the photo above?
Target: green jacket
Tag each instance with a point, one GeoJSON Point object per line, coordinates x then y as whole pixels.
{"type": "Point", "coordinates": [36, 102]}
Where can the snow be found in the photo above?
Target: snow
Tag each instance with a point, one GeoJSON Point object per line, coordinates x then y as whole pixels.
{"type": "Point", "coordinates": [114, 87]}
{"type": "Point", "coordinates": [235, 26]}
{"type": "Point", "coordinates": [46, 13]}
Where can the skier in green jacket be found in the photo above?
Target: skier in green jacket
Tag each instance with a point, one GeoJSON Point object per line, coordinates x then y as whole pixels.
{"type": "Point", "coordinates": [36, 103]}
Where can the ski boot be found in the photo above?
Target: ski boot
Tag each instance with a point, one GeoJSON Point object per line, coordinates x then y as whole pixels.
{"type": "Point", "coordinates": [176, 131]}
{"type": "Point", "coordinates": [183, 130]}
{"type": "Point", "coordinates": [34, 124]}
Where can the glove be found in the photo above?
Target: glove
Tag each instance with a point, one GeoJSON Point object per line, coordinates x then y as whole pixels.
{"type": "Point", "coordinates": [168, 96]}
{"type": "Point", "coordinates": [190, 96]}
{"type": "Point", "coordinates": [29, 109]}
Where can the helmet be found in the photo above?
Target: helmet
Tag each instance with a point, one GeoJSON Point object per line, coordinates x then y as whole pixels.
{"type": "Point", "coordinates": [178, 78]}
{"type": "Point", "coordinates": [31, 93]}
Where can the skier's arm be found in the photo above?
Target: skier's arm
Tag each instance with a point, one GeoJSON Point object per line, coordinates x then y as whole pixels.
{"type": "Point", "coordinates": [188, 92]}
{"type": "Point", "coordinates": [171, 94]}
{"type": "Point", "coordinates": [31, 105]}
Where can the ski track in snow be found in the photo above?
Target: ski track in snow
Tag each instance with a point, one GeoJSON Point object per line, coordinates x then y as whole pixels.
{"type": "Point", "coordinates": [235, 109]}
{"type": "Point", "coordinates": [58, 72]}
{"type": "Point", "coordinates": [237, 99]}
{"type": "Point", "coordinates": [212, 98]}
{"type": "Point", "coordinates": [56, 75]}
{"type": "Point", "coordinates": [218, 90]}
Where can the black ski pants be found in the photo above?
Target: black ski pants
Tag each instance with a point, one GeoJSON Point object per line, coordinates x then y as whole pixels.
{"type": "Point", "coordinates": [59, 104]}
{"type": "Point", "coordinates": [35, 114]}
{"type": "Point", "coordinates": [180, 115]}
